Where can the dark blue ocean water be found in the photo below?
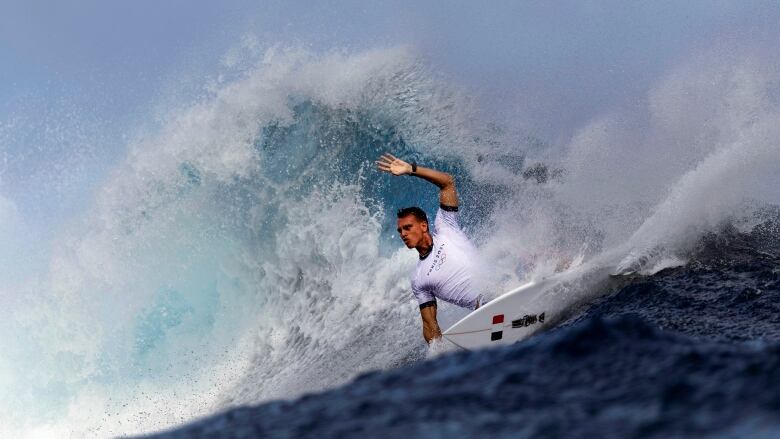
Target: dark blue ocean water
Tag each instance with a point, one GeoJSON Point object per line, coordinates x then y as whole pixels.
{"type": "Point", "coordinates": [692, 351]}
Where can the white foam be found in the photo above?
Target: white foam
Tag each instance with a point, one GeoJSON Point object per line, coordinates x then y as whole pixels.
{"type": "Point", "coordinates": [699, 151]}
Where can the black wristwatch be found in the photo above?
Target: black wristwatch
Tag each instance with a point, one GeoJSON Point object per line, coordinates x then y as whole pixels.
{"type": "Point", "coordinates": [414, 167]}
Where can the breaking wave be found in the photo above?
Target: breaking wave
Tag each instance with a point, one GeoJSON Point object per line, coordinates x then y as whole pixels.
{"type": "Point", "coordinates": [244, 250]}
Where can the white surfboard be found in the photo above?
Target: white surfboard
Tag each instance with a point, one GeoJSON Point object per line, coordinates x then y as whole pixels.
{"type": "Point", "coordinates": [504, 320]}
{"type": "Point", "coordinates": [525, 310]}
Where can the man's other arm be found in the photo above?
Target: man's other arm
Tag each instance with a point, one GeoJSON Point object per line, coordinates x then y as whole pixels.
{"type": "Point", "coordinates": [430, 326]}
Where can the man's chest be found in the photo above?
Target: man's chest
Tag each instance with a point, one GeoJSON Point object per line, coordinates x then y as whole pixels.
{"type": "Point", "coordinates": [435, 269]}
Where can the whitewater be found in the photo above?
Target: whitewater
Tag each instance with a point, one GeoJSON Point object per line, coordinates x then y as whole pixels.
{"type": "Point", "coordinates": [243, 250]}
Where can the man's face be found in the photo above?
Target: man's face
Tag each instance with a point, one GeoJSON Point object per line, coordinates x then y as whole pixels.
{"type": "Point", "coordinates": [411, 230]}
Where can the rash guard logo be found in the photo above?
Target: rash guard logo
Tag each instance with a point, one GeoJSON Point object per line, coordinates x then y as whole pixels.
{"type": "Point", "coordinates": [441, 261]}
{"type": "Point", "coordinates": [438, 260]}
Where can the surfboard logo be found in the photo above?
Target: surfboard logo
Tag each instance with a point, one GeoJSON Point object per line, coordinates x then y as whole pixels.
{"type": "Point", "coordinates": [528, 320]}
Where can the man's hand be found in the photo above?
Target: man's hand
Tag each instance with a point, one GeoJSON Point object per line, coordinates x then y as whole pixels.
{"type": "Point", "coordinates": [388, 163]}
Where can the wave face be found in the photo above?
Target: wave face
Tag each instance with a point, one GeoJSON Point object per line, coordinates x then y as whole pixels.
{"type": "Point", "coordinates": [688, 352]}
{"type": "Point", "coordinates": [245, 250]}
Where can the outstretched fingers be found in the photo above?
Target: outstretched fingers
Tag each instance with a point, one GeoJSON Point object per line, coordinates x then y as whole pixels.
{"type": "Point", "coordinates": [385, 162]}
{"type": "Point", "coordinates": [387, 158]}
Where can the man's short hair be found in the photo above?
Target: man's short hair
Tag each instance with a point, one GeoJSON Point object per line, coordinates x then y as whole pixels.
{"type": "Point", "coordinates": [414, 211]}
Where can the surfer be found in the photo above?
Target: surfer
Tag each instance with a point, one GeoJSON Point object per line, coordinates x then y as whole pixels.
{"type": "Point", "coordinates": [447, 257]}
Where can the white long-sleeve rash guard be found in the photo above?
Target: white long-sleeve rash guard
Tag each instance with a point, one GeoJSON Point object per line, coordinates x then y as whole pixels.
{"type": "Point", "coordinates": [447, 272]}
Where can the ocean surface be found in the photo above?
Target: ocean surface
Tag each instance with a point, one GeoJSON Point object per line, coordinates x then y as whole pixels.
{"type": "Point", "coordinates": [692, 351]}
{"type": "Point", "coordinates": [237, 273]}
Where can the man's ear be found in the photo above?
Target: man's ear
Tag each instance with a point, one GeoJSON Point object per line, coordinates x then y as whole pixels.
{"type": "Point", "coordinates": [424, 225]}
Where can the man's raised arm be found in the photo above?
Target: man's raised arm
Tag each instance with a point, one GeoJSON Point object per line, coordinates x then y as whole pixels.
{"type": "Point", "coordinates": [448, 196]}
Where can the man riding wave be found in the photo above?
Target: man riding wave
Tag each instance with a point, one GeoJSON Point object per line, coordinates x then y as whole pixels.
{"type": "Point", "coordinates": [447, 257]}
